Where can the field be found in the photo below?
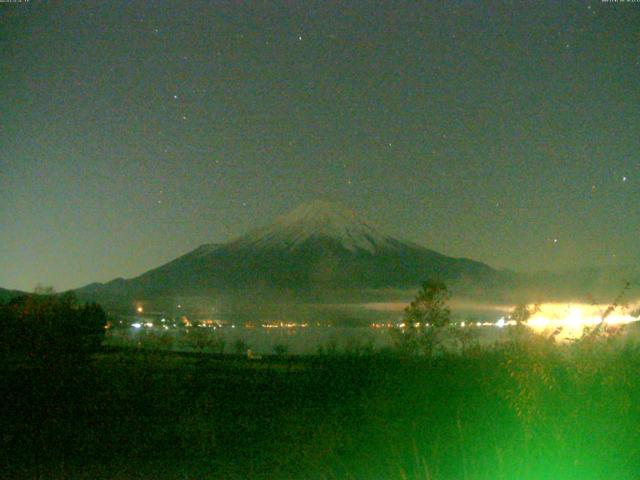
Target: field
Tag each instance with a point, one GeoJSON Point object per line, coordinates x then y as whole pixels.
{"type": "Point", "coordinates": [519, 411]}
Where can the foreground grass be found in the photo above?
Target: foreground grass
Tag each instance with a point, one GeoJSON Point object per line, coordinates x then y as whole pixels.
{"type": "Point", "coordinates": [520, 411]}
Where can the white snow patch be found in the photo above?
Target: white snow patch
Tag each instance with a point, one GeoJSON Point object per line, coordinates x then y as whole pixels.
{"type": "Point", "coordinates": [319, 219]}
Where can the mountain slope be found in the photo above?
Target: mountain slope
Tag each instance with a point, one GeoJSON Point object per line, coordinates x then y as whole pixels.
{"type": "Point", "coordinates": [319, 245]}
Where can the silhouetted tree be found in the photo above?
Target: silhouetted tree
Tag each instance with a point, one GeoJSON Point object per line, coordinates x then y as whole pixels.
{"type": "Point", "coordinates": [47, 325]}
{"type": "Point", "coordinates": [204, 339]}
{"type": "Point", "coordinates": [425, 320]}
{"type": "Point", "coordinates": [521, 313]}
{"type": "Point", "coordinates": [466, 336]}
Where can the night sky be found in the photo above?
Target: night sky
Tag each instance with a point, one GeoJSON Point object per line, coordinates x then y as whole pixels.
{"type": "Point", "coordinates": [132, 132]}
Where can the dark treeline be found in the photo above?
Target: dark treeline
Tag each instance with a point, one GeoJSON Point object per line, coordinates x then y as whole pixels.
{"type": "Point", "coordinates": [44, 326]}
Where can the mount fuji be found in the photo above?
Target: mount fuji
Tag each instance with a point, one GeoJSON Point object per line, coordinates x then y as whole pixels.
{"type": "Point", "coordinates": [317, 246]}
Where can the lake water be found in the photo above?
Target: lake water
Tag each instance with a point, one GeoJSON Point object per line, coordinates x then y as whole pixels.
{"type": "Point", "coordinates": [263, 341]}
{"type": "Point", "coordinates": [368, 330]}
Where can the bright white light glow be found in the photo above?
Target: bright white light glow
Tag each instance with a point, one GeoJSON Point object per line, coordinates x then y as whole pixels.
{"type": "Point", "coordinates": [573, 318]}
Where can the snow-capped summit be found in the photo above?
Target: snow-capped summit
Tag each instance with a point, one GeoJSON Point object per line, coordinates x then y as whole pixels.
{"type": "Point", "coordinates": [319, 220]}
